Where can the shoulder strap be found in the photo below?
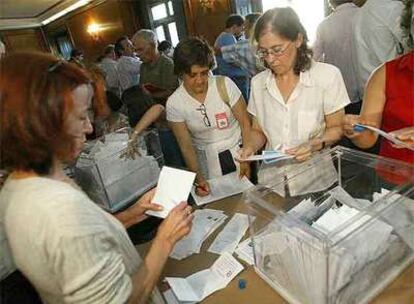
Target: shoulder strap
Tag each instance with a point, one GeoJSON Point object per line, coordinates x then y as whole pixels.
{"type": "Point", "coordinates": [221, 87]}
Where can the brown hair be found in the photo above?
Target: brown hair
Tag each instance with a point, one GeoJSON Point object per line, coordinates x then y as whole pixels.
{"type": "Point", "coordinates": [36, 94]}
{"type": "Point", "coordinates": [285, 22]}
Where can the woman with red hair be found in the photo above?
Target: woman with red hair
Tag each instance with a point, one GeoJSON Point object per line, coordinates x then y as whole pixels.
{"type": "Point", "coordinates": [68, 248]}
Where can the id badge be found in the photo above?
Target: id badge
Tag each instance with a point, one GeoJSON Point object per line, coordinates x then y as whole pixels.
{"type": "Point", "coordinates": [222, 121]}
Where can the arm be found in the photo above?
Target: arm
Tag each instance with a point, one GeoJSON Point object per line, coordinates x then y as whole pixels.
{"type": "Point", "coordinates": [240, 113]}
{"type": "Point", "coordinates": [172, 229]}
{"type": "Point", "coordinates": [150, 116]}
{"type": "Point", "coordinates": [371, 112]}
{"type": "Point", "coordinates": [183, 137]}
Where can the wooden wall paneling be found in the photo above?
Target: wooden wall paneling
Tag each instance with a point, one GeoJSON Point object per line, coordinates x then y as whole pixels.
{"type": "Point", "coordinates": [115, 17]}
{"type": "Point", "coordinates": [24, 40]}
{"type": "Point", "coordinates": [207, 22]}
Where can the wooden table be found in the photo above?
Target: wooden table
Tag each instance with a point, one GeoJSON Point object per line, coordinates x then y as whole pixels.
{"type": "Point", "coordinates": [257, 291]}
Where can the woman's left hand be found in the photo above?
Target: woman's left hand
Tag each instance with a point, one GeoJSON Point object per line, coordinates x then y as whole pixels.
{"type": "Point", "coordinates": [301, 153]}
{"type": "Point", "coordinates": [136, 213]}
{"type": "Point", "coordinates": [406, 135]}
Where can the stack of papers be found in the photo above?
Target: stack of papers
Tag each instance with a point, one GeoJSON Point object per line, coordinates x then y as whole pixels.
{"type": "Point", "coordinates": [201, 284]}
{"type": "Point", "coordinates": [174, 186]}
{"type": "Point", "coordinates": [231, 234]}
{"type": "Point", "coordinates": [222, 187]}
{"type": "Point", "coordinates": [205, 222]}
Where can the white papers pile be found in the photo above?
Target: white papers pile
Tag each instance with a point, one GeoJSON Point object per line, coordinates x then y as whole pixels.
{"type": "Point", "coordinates": [201, 284]}
{"type": "Point", "coordinates": [173, 187]}
{"type": "Point", "coordinates": [231, 234]}
{"type": "Point", "coordinates": [205, 222]}
{"type": "Point", "coordinates": [222, 187]}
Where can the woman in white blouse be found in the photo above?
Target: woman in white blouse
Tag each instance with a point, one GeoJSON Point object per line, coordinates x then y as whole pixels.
{"type": "Point", "coordinates": [297, 104]}
{"type": "Point", "coordinates": [209, 129]}
{"type": "Point", "coordinates": [70, 250]}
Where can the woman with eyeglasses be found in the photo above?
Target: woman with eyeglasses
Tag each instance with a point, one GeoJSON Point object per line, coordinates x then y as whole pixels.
{"type": "Point", "coordinates": [297, 104]}
{"type": "Point", "coordinates": [70, 249]}
{"type": "Point", "coordinates": [207, 115]}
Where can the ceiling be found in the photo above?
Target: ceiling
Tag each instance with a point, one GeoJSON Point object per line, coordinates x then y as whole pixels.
{"type": "Point", "coordinates": [31, 13]}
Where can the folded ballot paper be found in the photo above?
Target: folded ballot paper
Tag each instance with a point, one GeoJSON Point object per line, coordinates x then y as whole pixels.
{"type": "Point", "coordinates": [200, 285]}
{"type": "Point", "coordinates": [222, 187]}
{"type": "Point", "coordinates": [231, 234]}
{"type": "Point", "coordinates": [268, 156]}
{"type": "Point", "coordinates": [173, 187]}
{"type": "Point", "coordinates": [205, 222]}
{"type": "Point", "coordinates": [389, 136]}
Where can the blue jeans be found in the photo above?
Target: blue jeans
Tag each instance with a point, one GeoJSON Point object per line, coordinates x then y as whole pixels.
{"type": "Point", "coordinates": [170, 149]}
{"type": "Point", "coordinates": [243, 83]}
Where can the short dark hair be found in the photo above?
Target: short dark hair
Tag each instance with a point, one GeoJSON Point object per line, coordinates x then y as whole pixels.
{"type": "Point", "coordinates": [109, 49]}
{"type": "Point", "coordinates": [75, 53]}
{"type": "Point", "coordinates": [192, 51]}
{"type": "Point", "coordinates": [252, 17]}
{"type": "Point", "coordinates": [119, 49]}
{"type": "Point", "coordinates": [285, 22]}
{"type": "Point", "coordinates": [36, 97]}
{"type": "Point", "coordinates": [164, 45]}
{"type": "Point", "coordinates": [234, 20]}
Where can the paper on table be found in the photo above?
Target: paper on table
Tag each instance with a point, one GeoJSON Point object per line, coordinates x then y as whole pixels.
{"type": "Point", "coordinates": [201, 284]}
{"type": "Point", "coordinates": [170, 298]}
{"type": "Point", "coordinates": [231, 234]}
{"type": "Point", "coordinates": [222, 187]}
{"type": "Point", "coordinates": [174, 186]}
{"type": "Point", "coordinates": [388, 136]}
{"type": "Point", "coordinates": [205, 221]}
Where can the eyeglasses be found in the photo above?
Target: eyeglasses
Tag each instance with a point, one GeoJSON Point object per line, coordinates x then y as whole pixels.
{"type": "Point", "coordinates": [203, 112]}
{"type": "Point", "coordinates": [276, 51]}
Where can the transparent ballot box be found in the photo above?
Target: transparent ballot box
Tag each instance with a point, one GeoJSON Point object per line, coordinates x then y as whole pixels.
{"type": "Point", "coordinates": [113, 181]}
{"type": "Point", "coordinates": [335, 229]}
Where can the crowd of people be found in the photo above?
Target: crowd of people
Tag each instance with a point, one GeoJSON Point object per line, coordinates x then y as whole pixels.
{"type": "Point", "coordinates": [266, 89]}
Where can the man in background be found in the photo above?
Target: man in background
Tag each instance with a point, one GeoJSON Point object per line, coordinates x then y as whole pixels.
{"type": "Point", "coordinates": [242, 53]}
{"type": "Point", "coordinates": [108, 65]}
{"type": "Point", "coordinates": [233, 30]}
{"type": "Point", "coordinates": [335, 45]}
{"type": "Point", "coordinates": [128, 64]}
{"type": "Point", "coordinates": [378, 36]}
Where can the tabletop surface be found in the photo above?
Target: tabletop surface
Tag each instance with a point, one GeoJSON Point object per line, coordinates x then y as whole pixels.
{"type": "Point", "coordinates": [400, 291]}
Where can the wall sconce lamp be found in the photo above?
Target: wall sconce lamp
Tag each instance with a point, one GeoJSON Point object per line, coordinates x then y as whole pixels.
{"type": "Point", "coordinates": [206, 4]}
{"type": "Point", "coordinates": [94, 31]}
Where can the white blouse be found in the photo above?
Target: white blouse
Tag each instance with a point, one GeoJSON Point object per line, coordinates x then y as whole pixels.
{"type": "Point", "coordinates": [320, 91]}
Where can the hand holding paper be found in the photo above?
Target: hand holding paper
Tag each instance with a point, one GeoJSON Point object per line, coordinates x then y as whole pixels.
{"type": "Point", "coordinates": [174, 186]}
{"type": "Point", "coordinates": [392, 136]}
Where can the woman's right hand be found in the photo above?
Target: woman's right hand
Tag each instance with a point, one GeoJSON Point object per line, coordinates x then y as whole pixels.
{"type": "Point", "coordinates": [244, 153]}
{"type": "Point", "coordinates": [202, 188]}
{"type": "Point", "coordinates": [175, 226]}
{"type": "Point", "coordinates": [349, 123]}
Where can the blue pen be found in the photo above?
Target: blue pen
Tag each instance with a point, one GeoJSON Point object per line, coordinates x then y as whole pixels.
{"type": "Point", "coordinates": [359, 128]}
